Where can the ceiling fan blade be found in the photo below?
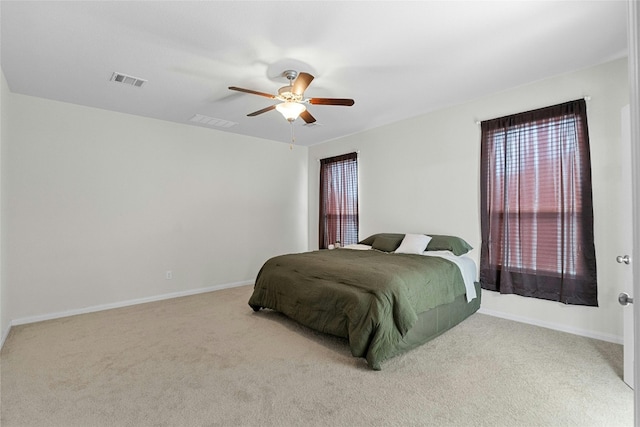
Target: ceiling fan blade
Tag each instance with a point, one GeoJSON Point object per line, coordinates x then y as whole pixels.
{"type": "Point", "coordinates": [264, 110]}
{"type": "Point", "coordinates": [254, 92]}
{"type": "Point", "coordinates": [301, 83]}
{"type": "Point", "coordinates": [332, 101]}
{"type": "Point", "coordinates": [307, 117]}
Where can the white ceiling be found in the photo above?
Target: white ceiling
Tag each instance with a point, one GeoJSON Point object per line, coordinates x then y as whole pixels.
{"type": "Point", "coordinates": [396, 59]}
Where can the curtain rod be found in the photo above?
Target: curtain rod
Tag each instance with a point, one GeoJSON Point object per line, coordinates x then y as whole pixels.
{"type": "Point", "coordinates": [586, 98]}
{"type": "Point", "coordinates": [355, 151]}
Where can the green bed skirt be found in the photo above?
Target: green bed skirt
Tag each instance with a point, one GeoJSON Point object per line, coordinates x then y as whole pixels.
{"type": "Point", "coordinates": [438, 320]}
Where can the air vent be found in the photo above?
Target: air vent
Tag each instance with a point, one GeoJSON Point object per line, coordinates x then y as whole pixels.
{"type": "Point", "coordinates": [128, 80]}
{"type": "Point", "coordinates": [212, 121]}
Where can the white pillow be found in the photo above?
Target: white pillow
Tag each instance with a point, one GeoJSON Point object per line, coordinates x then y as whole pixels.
{"type": "Point", "coordinates": [413, 244]}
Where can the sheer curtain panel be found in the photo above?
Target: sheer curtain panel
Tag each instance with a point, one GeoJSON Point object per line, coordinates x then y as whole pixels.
{"type": "Point", "coordinates": [536, 205]}
{"type": "Point", "coordinates": [338, 200]}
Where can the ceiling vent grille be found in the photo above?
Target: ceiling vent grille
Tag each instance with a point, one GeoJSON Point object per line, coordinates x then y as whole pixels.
{"type": "Point", "coordinates": [128, 80]}
{"type": "Point", "coordinates": [211, 121]}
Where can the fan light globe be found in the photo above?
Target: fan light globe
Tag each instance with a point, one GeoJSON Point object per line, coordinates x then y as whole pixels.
{"type": "Point", "coordinates": [290, 110]}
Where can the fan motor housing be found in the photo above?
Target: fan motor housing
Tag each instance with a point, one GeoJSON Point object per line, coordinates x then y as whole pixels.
{"type": "Point", "coordinates": [285, 94]}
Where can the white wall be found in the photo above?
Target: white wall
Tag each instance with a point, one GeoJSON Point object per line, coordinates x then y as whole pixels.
{"type": "Point", "coordinates": [422, 175]}
{"type": "Point", "coordinates": [99, 205]}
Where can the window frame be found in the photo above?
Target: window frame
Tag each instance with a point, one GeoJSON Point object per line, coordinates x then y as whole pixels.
{"type": "Point", "coordinates": [341, 223]}
{"type": "Point", "coordinates": [506, 265]}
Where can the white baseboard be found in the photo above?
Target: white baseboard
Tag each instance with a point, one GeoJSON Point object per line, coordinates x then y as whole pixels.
{"type": "Point", "coordinates": [5, 334]}
{"type": "Point", "coordinates": [555, 326]}
{"type": "Point", "coordinates": [92, 309]}
{"type": "Point", "coordinates": [95, 308]}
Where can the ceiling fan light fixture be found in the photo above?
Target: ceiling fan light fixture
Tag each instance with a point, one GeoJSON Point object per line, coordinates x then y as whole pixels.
{"type": "Point", "coordinates": [290, 110]}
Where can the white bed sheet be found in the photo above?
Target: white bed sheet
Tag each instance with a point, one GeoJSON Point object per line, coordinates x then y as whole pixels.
{"type": "Point", "coordinates": [467, 268]}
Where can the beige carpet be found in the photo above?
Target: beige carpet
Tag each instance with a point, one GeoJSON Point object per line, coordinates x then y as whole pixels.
{"type": "Point", "coordinates": [209, 360]}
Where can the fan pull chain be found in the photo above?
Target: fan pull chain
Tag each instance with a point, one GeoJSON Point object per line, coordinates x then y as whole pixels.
{"type": "Point", "coordinates": [293, 139]}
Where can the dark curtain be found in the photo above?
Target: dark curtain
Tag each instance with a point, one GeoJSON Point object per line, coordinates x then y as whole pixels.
{"type": "Point", "coordinates": [338, 200]}
{"type": "Point", "coordinates": [536, 205]}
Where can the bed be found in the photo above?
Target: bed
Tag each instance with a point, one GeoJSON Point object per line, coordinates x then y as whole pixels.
{"type": "Point", "coordinates": [386, 295]}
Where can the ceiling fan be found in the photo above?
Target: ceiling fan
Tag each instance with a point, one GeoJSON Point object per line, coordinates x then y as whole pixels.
{"type": "Point", "coordinates": [292, 97]}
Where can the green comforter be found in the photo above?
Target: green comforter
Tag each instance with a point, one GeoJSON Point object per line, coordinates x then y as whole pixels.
{"type": "Point", "coordinates": [371, 298]}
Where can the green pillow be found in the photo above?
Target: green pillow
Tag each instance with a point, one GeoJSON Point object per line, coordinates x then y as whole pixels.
{"type": "Point", "coordinates": [448, 243]}
{"type": "Point", "coordinates": [386, 244]}
{"type": "Point", "coordinates": [369, 240]}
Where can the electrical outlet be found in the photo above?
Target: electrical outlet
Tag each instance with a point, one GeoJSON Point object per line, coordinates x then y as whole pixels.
{"type": "Point", "coordinates": [169, 275]}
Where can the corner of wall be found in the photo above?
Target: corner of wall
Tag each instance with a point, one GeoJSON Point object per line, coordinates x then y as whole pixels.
{"type": "Point", "coordinates": [5, 324]}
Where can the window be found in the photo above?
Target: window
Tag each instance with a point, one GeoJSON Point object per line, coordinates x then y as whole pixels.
{"type": "Point", "coordinates": [339, 200]}
{"type": "Point", "coordinates": [536, 205]}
